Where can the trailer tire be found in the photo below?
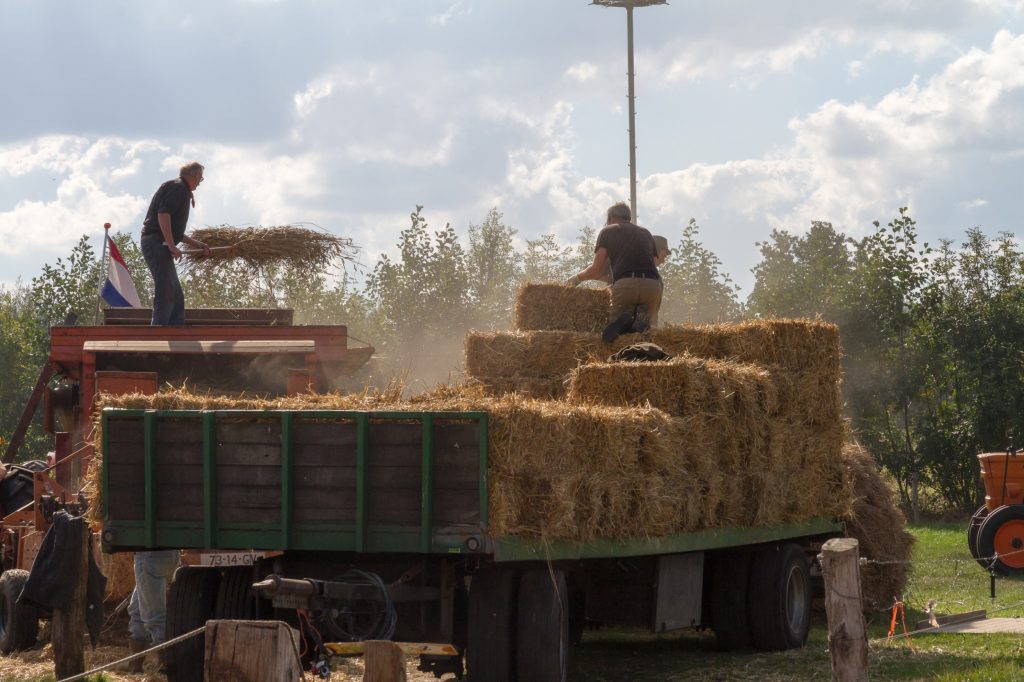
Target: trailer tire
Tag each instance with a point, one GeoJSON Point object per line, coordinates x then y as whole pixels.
{"type": "Point", "coordinates": [191, 603]}
{"type": "Point", "coordinates": [542, 639]}
{"type": "Point", "coordinates": [19, 623]}
{"type": "Point", "coordinates": [235, 597]}
{"type": "Point", "coordinates": [973, 530]}
{"type": "Point", "coordinates": [1002, 532]}
{"type": "Point", "coordinates": [729, 588]}
{"type": "Point", "coordinates": [490, 655]}
{"type": "Point", "coordinates": [779, 604]}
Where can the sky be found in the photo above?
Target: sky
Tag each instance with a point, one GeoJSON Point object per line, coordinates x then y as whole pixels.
{"type": "Point", "coordinates": [751, 116]}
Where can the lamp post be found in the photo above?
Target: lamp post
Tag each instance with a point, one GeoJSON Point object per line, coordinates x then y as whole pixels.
{"type": "Point", "coordinates": [629, 5]}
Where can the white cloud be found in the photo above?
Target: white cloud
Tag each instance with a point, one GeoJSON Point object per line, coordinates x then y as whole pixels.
{"type": "Point", "coordinates": [972, 204]}
{"type": "Point", "coordinates": [457, 9]}
{"type": "Point", "coordinates": [582, 72]}
{"type": "Point", "coordinates": [855, 68]}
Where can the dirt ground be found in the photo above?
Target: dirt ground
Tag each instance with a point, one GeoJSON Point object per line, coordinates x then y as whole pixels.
{"type": "Point", "coordinates": [36, 665]}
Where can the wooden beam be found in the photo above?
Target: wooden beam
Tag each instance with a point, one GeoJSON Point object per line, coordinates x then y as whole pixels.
{"type": "Point", "coordinates": [206, 347]}
{"type": "Point", "coordinates": [68, 628]}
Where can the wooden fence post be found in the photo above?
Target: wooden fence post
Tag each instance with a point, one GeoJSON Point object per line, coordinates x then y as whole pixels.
{"type": "Point", "coordinates": [69, 624]}
{"type": "Point", "coordinates": [384, 662]}
{"type": "Point", "coordinates": [847, 635]}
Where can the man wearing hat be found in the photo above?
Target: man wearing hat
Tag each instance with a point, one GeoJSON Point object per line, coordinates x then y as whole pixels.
{"type": "Point", "coordinates": [636, 285]}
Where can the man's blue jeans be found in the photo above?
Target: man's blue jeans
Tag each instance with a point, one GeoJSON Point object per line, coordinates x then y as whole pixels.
{"type": "Point", "coordinates": [168, 299]}
{"type": "Point", "coordinates": [147, 610]}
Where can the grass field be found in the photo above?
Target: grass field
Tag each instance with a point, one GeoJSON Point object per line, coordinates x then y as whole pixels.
{"type": "Point", "coordinates": [942, 570]}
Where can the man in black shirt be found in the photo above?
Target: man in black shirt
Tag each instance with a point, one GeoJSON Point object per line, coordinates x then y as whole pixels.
{"type": "Point", "coordinates": [636, 289]}
{"type": "Point", "coordinates": [162, 230]}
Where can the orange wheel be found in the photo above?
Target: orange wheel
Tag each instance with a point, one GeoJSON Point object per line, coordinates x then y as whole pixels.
{"type": "Point", "coordinates": [1002, 536]}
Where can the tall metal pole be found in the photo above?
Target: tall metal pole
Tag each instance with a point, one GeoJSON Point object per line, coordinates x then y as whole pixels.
{"type": "Point", "coordinates": [629, 5]}
{"type": "Point", "coordinates": [632, 115]}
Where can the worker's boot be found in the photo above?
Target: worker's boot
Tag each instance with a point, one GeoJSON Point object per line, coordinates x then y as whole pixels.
{"type": "Point", "coordinates": [135, 646]}
{"type": "Point", "coordinates": [617, 326]}
{"type": "Point", "coordinates": [642, 320]}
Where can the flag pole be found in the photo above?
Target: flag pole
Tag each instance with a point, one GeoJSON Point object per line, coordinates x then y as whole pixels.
{"type": "Point", "coordinates": [103, 272]}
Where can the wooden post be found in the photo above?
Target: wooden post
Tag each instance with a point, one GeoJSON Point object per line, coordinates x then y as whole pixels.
{"type": "Point", "coordinates": [384, 662]}
{"type": "Point", "coordinates": [847, 636]}
{"type": "Point", "coordinates": [69, 624]}
{"type": "Point", "coordinates": [252, 651]}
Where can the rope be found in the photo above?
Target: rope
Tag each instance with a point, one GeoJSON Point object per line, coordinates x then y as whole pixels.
{"type": "Point", "coordinates": [158, 647]}
{"type": "Point", "coordinates": [897, 608]}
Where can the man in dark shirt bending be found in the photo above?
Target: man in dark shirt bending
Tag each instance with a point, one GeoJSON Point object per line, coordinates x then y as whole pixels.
{"type": "Point", "coordinates": [636, 289]}
{"type": "Point", "coordinates": [162, 230]}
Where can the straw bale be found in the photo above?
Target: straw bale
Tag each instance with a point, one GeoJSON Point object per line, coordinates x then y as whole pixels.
{"type": "Point", "coordinates": [119, 570]}
{"type": "Point", "coordinates": [256, 247]}
{"type": "Point", "coordinates": [538, 354]}
{"type": "Point", "coordinates": [541, 307]}
{"type": "Point", "coordinates": [880, 528]}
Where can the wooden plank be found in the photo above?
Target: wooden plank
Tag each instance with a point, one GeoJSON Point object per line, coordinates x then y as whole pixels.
{"type": "Point", "coordinates": [223, 347]}
{"type": "Point", "coordinates": [953, 619]}
{"type": "Point", "coordinates": [254, 651]}
{"type": "Point", "coordinates": [384, 662]}
{"type": "Point", "coordinates": [68, 628]}
{"type": "Point", "coordinates": [204, 316]}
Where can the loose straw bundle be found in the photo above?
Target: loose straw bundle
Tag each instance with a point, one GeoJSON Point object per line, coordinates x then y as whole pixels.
{"type": "Point", "coordinates": [257, 247]}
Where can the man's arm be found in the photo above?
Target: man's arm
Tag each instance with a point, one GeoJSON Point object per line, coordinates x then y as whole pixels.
{"type": "Point", "coordinates": [164, 219]}
{"type": "Point", "coordinates": [196, 244]}
{"type": "Point", "coordinates": [595, 270]}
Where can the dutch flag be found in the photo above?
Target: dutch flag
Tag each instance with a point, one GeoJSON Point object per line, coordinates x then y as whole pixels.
{"type": "Point", "coordinates": [119, 289]}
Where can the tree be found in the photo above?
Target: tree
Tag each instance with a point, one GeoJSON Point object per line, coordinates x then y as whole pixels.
{"type": "Point", "coordinates": [494, 268]}
{"type": "Point", "coordinates": [802, 276]}
{"type": "Point", "coordinates": [696, 290]}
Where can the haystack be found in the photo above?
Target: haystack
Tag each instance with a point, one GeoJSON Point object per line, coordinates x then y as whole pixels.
{"type": "Point", "coordinates": [543, 307]}
{"type": "Point", "coordinates": [880, 528]}
{"type": "Point", "coordinates": [732, 414]}
{"type": "Point", "coordinates": [256, 247]}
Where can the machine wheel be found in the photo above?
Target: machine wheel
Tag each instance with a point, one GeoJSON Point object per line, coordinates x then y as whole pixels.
{"type": "Point", "coordinates": [490, 655]}
{"type": "Point", "coordinates": [190, 604]}
{"type": "Point", "coordinates": [973, 530]}
{"type": "Point", "coordinates": [779, 603]}
{"type": "Point", "coordinates": [729, 600]}
{"type": "Point", "coordinates": [19, 624]}
{"type": "Point", "coordinates": [235, 598]}
{"type": "Point", "coordinates": [1002, 533]}
{"type": "Point", "coordinates": [542, 649]}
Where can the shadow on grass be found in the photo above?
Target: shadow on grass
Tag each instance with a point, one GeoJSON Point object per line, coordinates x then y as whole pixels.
{"type": "Point", "coordinates": [621, 655]}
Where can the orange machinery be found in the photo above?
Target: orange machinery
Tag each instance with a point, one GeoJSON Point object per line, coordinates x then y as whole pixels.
{"type": "Point", "coordinates": [995, 534]}
{"type": "Point", "coordinates": [223, 351]}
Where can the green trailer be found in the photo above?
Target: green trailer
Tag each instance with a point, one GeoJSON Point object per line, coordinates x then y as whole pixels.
{"type": "Point", "coordinates": [357, 525]}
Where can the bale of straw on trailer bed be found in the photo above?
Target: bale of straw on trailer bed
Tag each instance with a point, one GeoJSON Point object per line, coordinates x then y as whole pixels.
{"type": "Point", "coordinates": [556, 470]}
{"type": "Point", "coordinates": [541, 307]}
{"type": "Point", "coordinates": [776, 461]}
{"type": "Point", "coordinates": [257, 247]}
{"type": "Point", "coordinates": [806, 350]}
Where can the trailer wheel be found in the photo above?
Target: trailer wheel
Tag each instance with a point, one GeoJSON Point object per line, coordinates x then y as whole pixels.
{"type": "Point", "coordinates": [235, 598]}
{"type": "Point", "coordinates": [729, 600]}
{"type": "Point", "coordinates": [490, 655]}
{"type": "Point", "coordinates": [19, 623]}
{"type": "Point", "coordinates": [190, 604]}
{"type": "Point", "coordinates": [542, 651]}
{"type": "Point", "coordinates": [780, 598]}
{"type": "Point", "coordinates": [1002, 534]}
{"type": "Point", "coordinates": [973, 530]}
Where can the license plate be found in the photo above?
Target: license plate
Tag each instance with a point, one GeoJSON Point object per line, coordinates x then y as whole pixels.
{"type": "Point", "coordinates": [229, 558]}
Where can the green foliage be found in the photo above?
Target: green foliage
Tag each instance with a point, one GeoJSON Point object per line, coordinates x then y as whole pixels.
{"type": "Point", "coordinates": [696, 289]}
{"type": "Point", "coordinates": [495, 268]}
